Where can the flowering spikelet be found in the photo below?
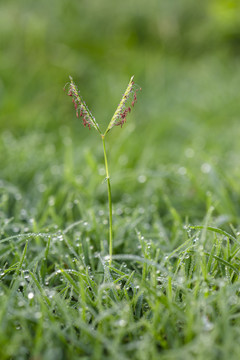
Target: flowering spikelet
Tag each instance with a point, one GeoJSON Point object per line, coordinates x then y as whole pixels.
{"type": "Point", "coordinates": [119, 117]}
{"type": "Point", "coordinates": [81, 107]}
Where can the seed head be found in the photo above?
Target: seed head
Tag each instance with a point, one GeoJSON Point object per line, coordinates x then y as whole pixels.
{"type": "Point", "coordinates": [120, 115]}
{"type": "Point", "coordinates": [80, 106]}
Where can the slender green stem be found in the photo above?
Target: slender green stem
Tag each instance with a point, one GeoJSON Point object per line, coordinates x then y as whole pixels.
{"type": "Point", "coordinates": [109, 202]}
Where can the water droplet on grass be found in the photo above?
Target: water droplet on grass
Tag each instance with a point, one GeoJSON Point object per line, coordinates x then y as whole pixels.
{"type": "Point", "coordinates": [119, 211]}
{"type": "Point", "coordinates": [42, 188]}
{"type": "Point", "coordinates": [206, 168]}
{"type": "Point", "coordinates": [208, 325]}
{"type": "Point", "coordinates": [18, 197]}
{"type": "Point", "coordinates": [51, 201]}
{"type": "Point", "coordinates": [122, 323]}
{"type": "Point", "coordinates": [181, 279]}
{"type": "Point", "coordinates": [101, 171]}
{"type": "Point", "coordinates": [52, 293]}
{"type": "Point", "coordinates": [38, 315]}
{"type": "Point", "coordinates": [182, 171]}
{"type": "Point", "coordinates": [189, 153]}
{"type": "Point", "coordinates": [30, 295]}
{"type": "Point", "coordinates": [142, 179]}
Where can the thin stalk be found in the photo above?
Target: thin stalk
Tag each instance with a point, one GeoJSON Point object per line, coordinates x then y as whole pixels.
{"type": "Point", "coordinates": [109, 202]}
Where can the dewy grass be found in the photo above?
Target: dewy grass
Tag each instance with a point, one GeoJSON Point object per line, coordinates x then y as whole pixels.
{"type": "Point", "coordinates": [119, 118]}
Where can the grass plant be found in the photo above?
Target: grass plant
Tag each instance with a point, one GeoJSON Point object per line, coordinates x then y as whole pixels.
{"type": "Point", "coordinates": [172, 289]}
{"type": "Point", "coordinates": [127, 102]}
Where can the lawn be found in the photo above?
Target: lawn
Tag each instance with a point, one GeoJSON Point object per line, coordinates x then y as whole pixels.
{"type": "Point", "coordinates": [172, 289]}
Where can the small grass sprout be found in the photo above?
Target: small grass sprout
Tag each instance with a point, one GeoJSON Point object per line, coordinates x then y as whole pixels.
{"type": "Point", "coordinates": [125, 106]}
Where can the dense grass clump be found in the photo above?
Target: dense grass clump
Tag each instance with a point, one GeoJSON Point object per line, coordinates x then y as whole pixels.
{"type": "Point", "coordinates": [172, 288]}
{"type": "Point", "coordinates": [60, 299]}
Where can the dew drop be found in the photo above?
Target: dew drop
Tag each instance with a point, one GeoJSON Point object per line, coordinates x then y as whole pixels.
{"type": "Point", "coordinates": [122, 323]}
{"type": "Point", "coordinates": [189, 153]}
{"type": "Point", "coordinates": [30, 295]}
{"type": "Point", "coordinates": [119, 211]}
{"type": "Point", "coordinates": [206, 168]}
{"type": "Point", "coordinates": [208, 325]}
{"type": "Point", "coordinates": [142, 179]}
{"type": "Point", "coordinates": [38, 315]}
{"type": "Point", "coordinates": [182, 171]}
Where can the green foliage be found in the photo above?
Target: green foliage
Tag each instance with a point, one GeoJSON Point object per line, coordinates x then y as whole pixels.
{"type": "Point", "coordinates": [59, 298]}
{"type": "Point", "coordinates": [173, 288]}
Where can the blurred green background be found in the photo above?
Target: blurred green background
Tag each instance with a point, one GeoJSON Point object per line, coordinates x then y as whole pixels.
{"type": "Point", "coordinates": [180, 147]}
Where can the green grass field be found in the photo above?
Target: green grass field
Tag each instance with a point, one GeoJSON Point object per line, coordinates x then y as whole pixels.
{"type": "Point", "coordinates": [173, 289]}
